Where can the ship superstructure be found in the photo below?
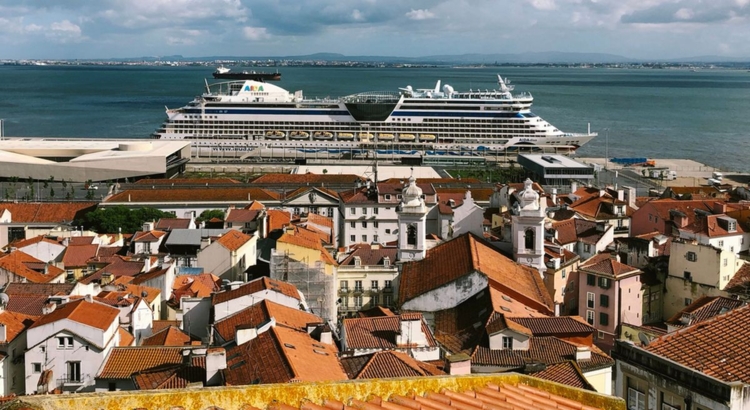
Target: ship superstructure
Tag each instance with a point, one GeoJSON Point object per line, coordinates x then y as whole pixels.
{"type": "Point", "coordinates": [250, 115]}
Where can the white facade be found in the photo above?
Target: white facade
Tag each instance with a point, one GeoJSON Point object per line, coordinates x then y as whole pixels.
{"type": "Point", "coordinates": [45, 251]}
{"type": "Point", "coordinates": [12, 368]}
{"type": "Point", "coordinates": [228, 263]}
{"type": "Point", "coordinates": [377, 286]}
{"type": "Point", "coordinates": [467, 217]}
{"type": "Point", "coordinates": [528, 228]}
{"type": "Point", "coordinates": [230, 307]}
{"type": "Point", "coordinates": [367, 223]}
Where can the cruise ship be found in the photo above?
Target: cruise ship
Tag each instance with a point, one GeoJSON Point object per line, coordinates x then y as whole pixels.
{"type": "Point", "coordinates": [264, 120]}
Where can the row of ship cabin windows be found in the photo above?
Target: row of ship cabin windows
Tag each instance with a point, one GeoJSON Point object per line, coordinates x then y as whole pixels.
{"type": "Point", "coordinates": [356, 124]}
{"type": "Point", "coordinates": [374, 285]}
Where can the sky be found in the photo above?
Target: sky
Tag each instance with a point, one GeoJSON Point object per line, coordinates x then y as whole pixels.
{"type": "Point", "coordinates": [642, 29]}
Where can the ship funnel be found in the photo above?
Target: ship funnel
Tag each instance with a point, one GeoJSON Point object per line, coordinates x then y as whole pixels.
{"type": "Point", "coordinates": [437, 87]}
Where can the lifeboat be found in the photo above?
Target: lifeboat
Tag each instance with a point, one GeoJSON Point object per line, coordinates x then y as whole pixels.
{"type": "Point", "coordinates": [386, 137]}
{"type": "Point", "coordinates": [323, 135]}
{"type": "Point", "coordinates": [406, 137]}
{"type": "Point", "coordinates": [346, 136]}
{"type": "Point", "coordinates": [365, 136]}
{"type": "Point", "coordinates": [427, 137]}
{"type": "Point", "coordinates": [299, 135]}
{"type": "Point", "coordinates": [275, 134]}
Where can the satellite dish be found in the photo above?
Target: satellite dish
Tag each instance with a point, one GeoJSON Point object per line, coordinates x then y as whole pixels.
{"type": "Point", "coordinates": [643, 338]}
{"type": "Point", "coordinates": [4, 298]}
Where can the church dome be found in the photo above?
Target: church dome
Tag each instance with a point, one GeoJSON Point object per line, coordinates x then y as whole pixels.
{"type": "Point", "coordinates": [412, 195]}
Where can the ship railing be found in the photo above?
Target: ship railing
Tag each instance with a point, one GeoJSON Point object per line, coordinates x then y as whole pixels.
{"type": "Point", "coordinates": [579, 134]}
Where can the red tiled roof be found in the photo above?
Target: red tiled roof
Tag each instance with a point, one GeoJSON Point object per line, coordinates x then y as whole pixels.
{"type": "Point", "coordinates": [740, 282]}
{"type": "Point", "coordinates": [187, 181]}
{"type": "Point", "coordinates": [608, 266]}
{"type": "Point", "coordinates": [702, 309]}
{"type": "Point", "coordinates": [277, 219]}
{"type": "Point", "coordinates": [379, 332]}
{"type": "Point", "coordinates": [369, 256]}
{"type": "Point", "coordinates": [47, 212]}
{"type": "Point", "coordinates": [376, 311]}
{"type": "Point", "coordinates": [171, 376]}
{"type": "Point", "coordinates": [171, 336]}
{"type": "Point", "coordinates": [21, 264]}
{"type": "Point", "coordinates": [167, 224]}
{"type": "Point", "coordinates": [254, 286]}
{"type": "Point", "coordinates": [320, 220]}
{"type": "Point", "coordinates": [388, 364]}
{"type": "Point", "coordinates": [307, 239]}
{"type": "Point", "coordinates": [32, 241]}
{"type": "Point", "coordinates": [31, 305]}
{"type": "Point", "coordinates": [307, 178]}
{"type": "Point", "coordinates": [96, 315]}
{"type": "Point", "coordinates": [118, 268]}
{"type": "Point", "coordinates": [207, 194]}
{"type": "Point", "coordinates": [478, 194]}
{"type": "Point", "coordinates": [463, 255]}
{"type": "Point", "coordinates": [15, 323]}
{"type": "Point", "coordinates": [77, 256]}
{"type": "Point", "coordinates": [159, 325]}
{"type": "Point", "coordinates": [717, 347]}
{"type": "Point", "coordinates": [567, 373]}
{"type": "Point", "coordinates": [261, 313]}
{"type": "Point", "coordinates": [148, 236]}
{"type": "Point", "coordinates": [233, 239]}
{"type": "Point", "coordinates": [123, 362]}
{"type": "Point", "coordinates": [82, 240]}
{"type": "Point", "coordinates": [547, 350]}
{"type": "Point", "coordinates": [282, 355]}
{"type": "Point", "coordinates": [241, 215]}
{"type": "Point", "coordinates": [554, 325]}
{"type": "Point", "coordinates": [42, 289]}
{"type": "Point", "coordinates": [126, 339]}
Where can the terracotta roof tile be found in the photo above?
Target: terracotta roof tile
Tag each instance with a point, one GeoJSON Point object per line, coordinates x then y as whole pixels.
{"type": "Point", "coordinates": [118, 268]}
{"type": "Point", "coordinates": [254, 286]}
{"type": "Point", "coordinates": [369, 256]}
{"type": "Point", "coordinates": [148, 236]}
{"type": "Point", "coordinates": [171, 336]}
{"type": "Point", "coordinates": [387, 364]}
{"type": "Point", "coordinates": [277, 219]}
{"type": "Point", "coordinates": [207, 194]}
{"type": "Point", "coordinates": [233, 239]}
{"type": "Point", "coordinates": [167, 224]}
{"type": "Point", "coordinates": [21, 264]}
{"type": "Point", "coordinates": [241, 215]}
{"type": "Point", "coordinates": [555, 325]}
{"type": "Point", "coordinates": [126, 339]}
{"type": "Point", "coordinates": [706, 346]}
{"type": "Point", "coordinates": [282, 355]}
{"type": "Point", "coordinates": [463, 255]}
{"type": "Point", "coordinates": [376, 311]}
{"type": "Point", "coordinates": [261, 313]}
{"type": "Point", "coordinates": [307, 239]}
{"type": "Point", "coordinates": [159, 325]}
{"type": "Point", "coordinates": [609, 267]}
{"type": "Point", "coordinates": [379, 332]}
{"type": "Point", "coordinates": [307, 178]}
{"type": "Point", "coordinates": [702, 309]}
{"type": "Point", "coordinates": [32, 241]}
{"type": "Point", "coordinates": [186, 181]}
{"type": "Point", "coordinates": [82, 240]}
{"type": "Point", "coordinates": [547, 350]}
{"type": "Point", "coordinates": [14, 323]}
{"type": "Point", "coordinates": [42, 289]}
{"type": "Point", "coordinates": [96, 315]}
{"type": "Point", "coordinates": [740, 282]}
{"type": "Point", "coordinates": [567, 373]}
{"type": "Point", "coordinates": [31, 305]}
{"type": "Point", "coordinates": [48, 212]}
{"type": "Point", "coordinates": [77, 256]}
{"type": "Point", "coordinates": [171, 376]}
{"type": "Point", "coordinates": [123, 362]}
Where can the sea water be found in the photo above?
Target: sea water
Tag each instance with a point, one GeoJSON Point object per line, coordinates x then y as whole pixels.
{"type": "Point", "coordinates": [657, 113]}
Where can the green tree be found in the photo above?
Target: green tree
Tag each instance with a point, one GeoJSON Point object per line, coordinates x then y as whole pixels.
{"type": "Point", "coordinates": [109, 220]}
{"type": "Point", "coordinates": [51, 192]}
{"type": "Point", "coordinates": [209, 214]}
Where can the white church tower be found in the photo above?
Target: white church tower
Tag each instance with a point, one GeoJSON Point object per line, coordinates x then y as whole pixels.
{"type": "Point", "coordinates": [528, 228]}
{"type": "Point", "coordinates": [412, 221]}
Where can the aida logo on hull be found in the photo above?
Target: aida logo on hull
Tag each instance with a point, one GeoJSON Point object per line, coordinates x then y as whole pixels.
{"type": "Point", "coordinates": [253, 88]}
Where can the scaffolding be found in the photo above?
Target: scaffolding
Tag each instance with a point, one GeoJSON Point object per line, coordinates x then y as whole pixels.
{"type": "Point", "coordinates": [310, 279]}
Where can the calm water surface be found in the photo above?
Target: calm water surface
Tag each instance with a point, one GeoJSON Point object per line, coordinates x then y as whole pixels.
{"type": "Point", "coordinates": [701, 115]}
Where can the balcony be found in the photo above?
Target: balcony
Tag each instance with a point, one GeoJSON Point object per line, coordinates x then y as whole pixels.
{"type": "Point", "coordinates": [73, 380]}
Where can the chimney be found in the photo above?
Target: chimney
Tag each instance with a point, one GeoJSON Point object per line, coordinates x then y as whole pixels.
{"type": "Point", "coordinates": [573, 186]}
{"type": "Point", "coordinates": [553, 197]}
{"type": "Point", "coordinates": [452, 203]}
{"type": "Point", "coordinates": [411, 330]}
{"type": "Point", "coordinates": [46, 268]}
{"type": "Point", "coordinates": [583, 353]}
{"type": "Point", "coordinates": [216, 361]}
{"type": "Point", "coordinates": [459, 364]}
{"type": "Point", "coordinates": [3, 333]}
{"type": "Point", "coordinates": [248, 197]}
{"type": "Point", "coordinates": [147, 264]}
{"type": "Point", "coordinates": [148, 226]}
{"type": "Point", "coordinates": [106, 278]}
{"type": "Point", "coordinates": [88, 298]}
{"type": "Point", "coordinates": [620, 194]}
{"type": "Point", "coordinates": [48, 308]}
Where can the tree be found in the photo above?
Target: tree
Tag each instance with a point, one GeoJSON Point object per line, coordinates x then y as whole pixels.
{"type": "Point", "coordinates": [110, 220]}
{"type": "Point", "coordinates": [209, 214]}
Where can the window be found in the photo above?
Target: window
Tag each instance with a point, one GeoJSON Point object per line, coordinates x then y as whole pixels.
{"type": "Point", "coordinates": [364, 238]}
{"type": "Point", "coordinates": [364, 211]}
{"type": "Point", "coordinates": [507, 343]}
{"type": "Point", "coordinates": [352, 224]}
{"type": "Point", "coordinates": [353, 238]}
{"type": "Point", "coordinates": [687, 276]}
{"type": "Point", "coordinates": [374, 285]}
{"type": "Point", "coordinates": [358, 286]}
{"type": "Point", "coordinates": [374, 300]}
{"type": "Point", "coordinates": [387, 231]}
{"type": "Point", "coordinates": [36, 367]}
{"type": "Point", "coordinates": [387, 197]}
{"type": "Point", "coordinates": [375, 211]}
{"type": "Point", "coordinates": [344, 285]}
{"type": "Point", "coordinates": [590, 280]}
{"type": "Point", "coordinates": [375, 224]}
{"type": "Point", "coordinates": [586, 247]}
{"type": "Point", "coordinates": [688, 301]}
{"type": "Point", "coordinates": [364, 224]}
{"type": "Point", "coordinates": [691, 256]}
{"type": "Point", "coordinates": [721, 244]}
{"type": "Point", "coordinates": [670, 401]}
{"type": "Point", "coordinates": [726, 261]}
{"type": "Point", "coordinates": [353, 211]}
{"type": "Point", "coordinates": [387, 300]}
{"type": "Point", "coordinates": [604, 283]}
{"type": "Point", "coordinates": [599, 334]}
{"type": "Point", "coordinates": [604, 300]}
{"type": "Point", "coordinates": [590, 317]}
{"type": "Point", "coordinates": [345, 301]}
{"type": "Point", "coordinates": [563, 273]}
{"type": "Point", "coordinates": [65, 342]}
{"type": "Point", "coordinates": [358, 302]}
{"type": "Point", "coordinates": [74, 371]}
{"type": "Point", "coordinates": [387, 284]}
{"type": "Point", "coordinates": [636, 394]}
{"type": "Point", "coordinates": [590, 298]}
{"type": "Point", "coordinates": [603, 319]}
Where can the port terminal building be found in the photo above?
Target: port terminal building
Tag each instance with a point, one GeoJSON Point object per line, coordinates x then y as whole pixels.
{"type": "Point", "coordinates": [555, 170]}
{"type": "Point", "coordinates": [95, 160]}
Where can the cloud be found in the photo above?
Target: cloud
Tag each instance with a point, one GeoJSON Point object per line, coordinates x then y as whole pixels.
{"type": "Point", "coordinates": [688, 11]}
{"type": "Point", "coordinates": [543, 4]}
{"type": "Point", "coordinates": [255, 33]}
{"type": "Point", "coordinates": [420, 14]}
